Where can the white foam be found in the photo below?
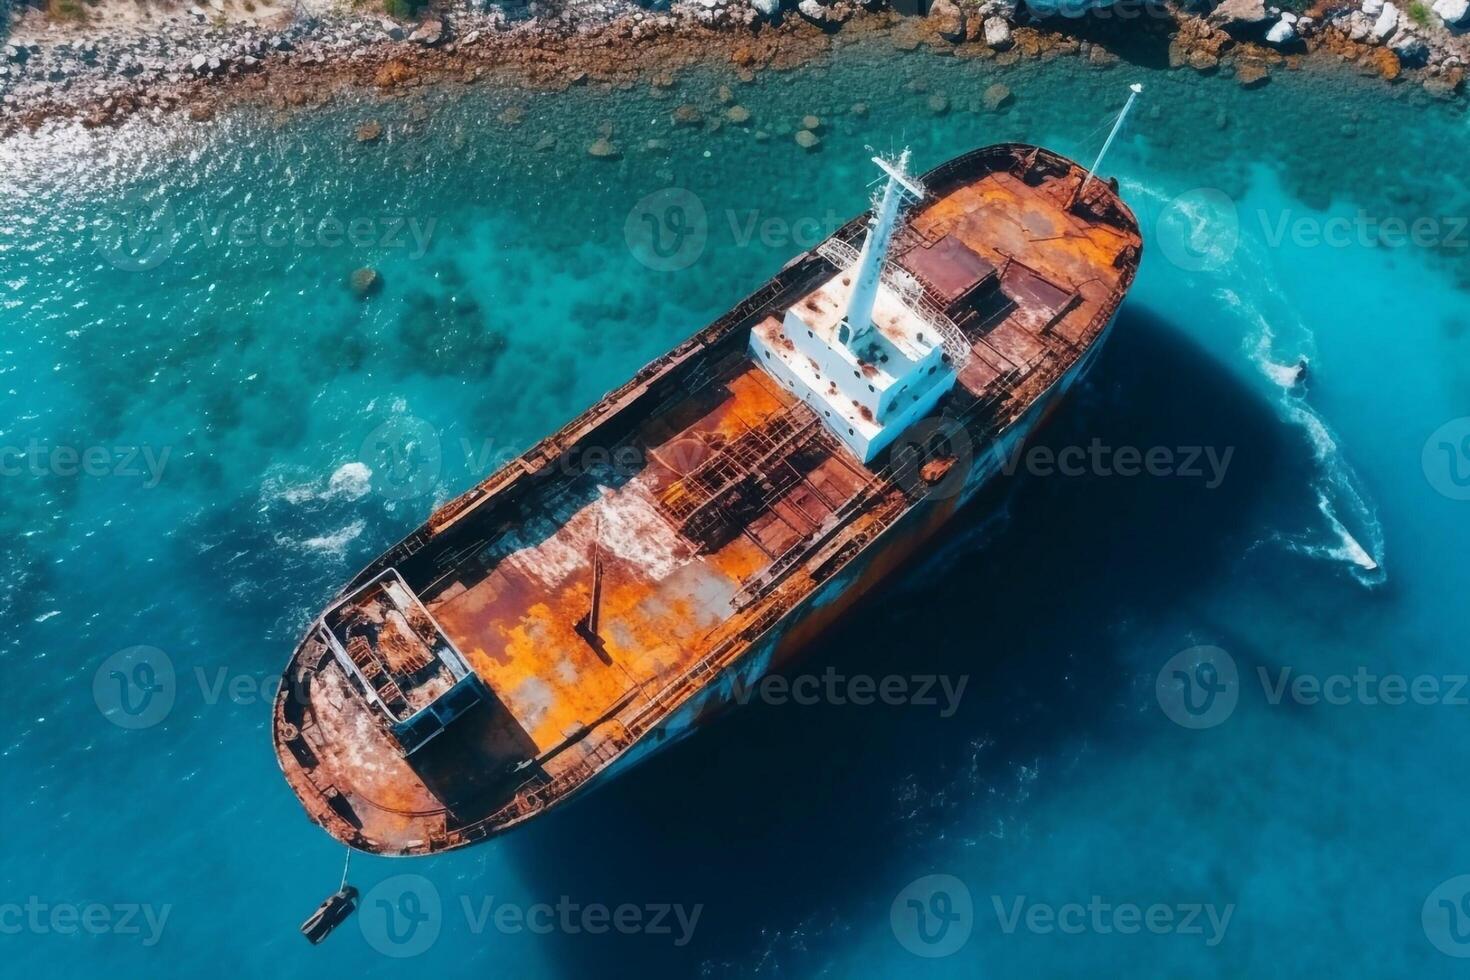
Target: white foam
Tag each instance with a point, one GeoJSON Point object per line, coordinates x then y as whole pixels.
{"type": "Point", "coordinates": [351, 481]}
{"type": "Point", "coordinates": [331, 544]}
{"type": "Point", "coordinates": [1338, 486]}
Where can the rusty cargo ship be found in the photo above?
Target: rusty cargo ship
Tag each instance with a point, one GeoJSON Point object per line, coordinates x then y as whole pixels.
{"type": "Point", "coordinates": [563, 620]}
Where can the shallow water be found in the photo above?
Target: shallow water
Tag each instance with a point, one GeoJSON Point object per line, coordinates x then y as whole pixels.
{"type": "Point", "coordinates": [238, 399]}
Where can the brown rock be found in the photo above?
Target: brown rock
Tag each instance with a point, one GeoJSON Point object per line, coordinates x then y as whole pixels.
{"type": "Point", "coordinates": [807, 140]}
{"type": "Point", "coordinates": [1386, 63]}
{"type": "Point", "coordinates": [392, 73]}
{"type": "Point", "coordinates": [688, 115]}
{"type": "Point", "coordinates": [1203, 61]}
{"type": "Point", "coordinates": [1251, 74]}
{"type": "Point", "coordinates": [602, 148]}
{"type": "Point", "coordinates": [738, 114]}
{"type": "Point", "coordinates": [366, 281]}
{"type": "Point", "coordinates": [948, 20]}
{"type": "Point", "coordinates": [1445, 84]}
{"type": "Point", "coordinates": [997, 97]}
{"type": "Point", "coordinates": [370, 131]}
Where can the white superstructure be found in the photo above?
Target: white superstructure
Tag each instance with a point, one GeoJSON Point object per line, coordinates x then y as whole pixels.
{"type": "Point", "coordinates": [854, 350]}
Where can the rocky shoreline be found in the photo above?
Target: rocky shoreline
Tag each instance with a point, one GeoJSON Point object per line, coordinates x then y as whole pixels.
{"type": "Point", "coordinates": [196, 60]}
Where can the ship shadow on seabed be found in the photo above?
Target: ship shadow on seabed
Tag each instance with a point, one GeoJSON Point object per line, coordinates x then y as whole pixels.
{"type": "Point", "coordinates": [788, 821]}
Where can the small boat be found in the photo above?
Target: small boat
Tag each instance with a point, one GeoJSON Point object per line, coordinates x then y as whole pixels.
{"type": "Point", "coordinates": [330, 914]}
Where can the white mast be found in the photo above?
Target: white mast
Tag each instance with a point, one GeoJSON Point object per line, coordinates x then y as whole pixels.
{"type": "Point", "coordinates": [869, 268]}
{"type": "Point", "coordinates": [1136, 89]}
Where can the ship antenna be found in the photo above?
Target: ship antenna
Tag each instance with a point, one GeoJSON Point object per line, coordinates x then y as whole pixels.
{"type": "Point", "coordinates": [1134, 90]}
{"type": "Point", "coordinates": [899, 189]}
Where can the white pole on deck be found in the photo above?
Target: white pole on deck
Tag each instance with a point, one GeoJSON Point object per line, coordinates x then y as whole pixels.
{"type": "Point", "coordinates": [869, 269]}
{"type": "Point", "coordinates": [1136, 89]}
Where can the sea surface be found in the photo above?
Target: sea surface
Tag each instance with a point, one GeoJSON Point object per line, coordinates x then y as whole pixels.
{"type": "Point", "coordinates": [1177, 750]}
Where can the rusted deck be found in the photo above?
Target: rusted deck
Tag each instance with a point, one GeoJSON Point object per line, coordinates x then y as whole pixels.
{"type": "Point", "coordinates": [590, 602]}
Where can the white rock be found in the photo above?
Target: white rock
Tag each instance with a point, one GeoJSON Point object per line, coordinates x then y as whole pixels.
{"type": "Point", "coordinates": [1240, 13]}
{"type": "Point", "coordinates": [1359, 26]}
{"type": "Point", "coordinates": [1453, 11]}
{"type": "Point", "coordinates": [1372, 7]}
{"type": "Point", "coordinates": [766, 8]}
{"type": "Point", "coordinates": [997, 32]}
{"type": "Point", "coordinates": [1387, 23]}
{"type": "Point", "coordinates": [1282, 32]}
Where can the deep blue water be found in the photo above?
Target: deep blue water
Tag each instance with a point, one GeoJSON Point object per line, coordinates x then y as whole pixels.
{"type": "Point", "coordinates": [230, 396]}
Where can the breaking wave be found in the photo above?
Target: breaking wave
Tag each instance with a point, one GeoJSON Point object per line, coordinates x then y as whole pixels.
{"type": "Point", "coordinates": [1212, 246]}
{"type": "Point", "coordinates": [1353, 533]}
{"type": "Point", "coordinates": [349, 482]}
{"type": "Point", "coordinates": [334, 544]}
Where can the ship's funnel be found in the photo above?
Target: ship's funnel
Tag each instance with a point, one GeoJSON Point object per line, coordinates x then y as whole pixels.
{"type": "Point", "coordinates": [869, 270]}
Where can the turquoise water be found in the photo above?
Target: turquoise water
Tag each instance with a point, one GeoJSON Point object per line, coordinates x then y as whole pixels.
{"type": "Point", "coordinates": [233, 399]}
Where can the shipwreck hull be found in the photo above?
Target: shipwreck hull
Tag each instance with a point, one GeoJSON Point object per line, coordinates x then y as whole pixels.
{"type": "Point", "coordinates": [545, 632]}
{"type": "Point", "coordinates": [791, 637]}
